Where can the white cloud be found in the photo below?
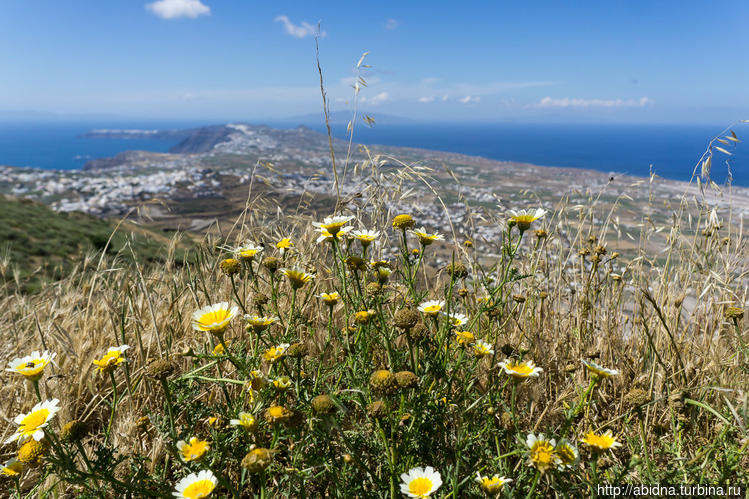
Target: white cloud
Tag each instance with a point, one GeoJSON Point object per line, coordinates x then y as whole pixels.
{"type": "Point", "coordinates": [375, 100]}
{"type": "Point", "coordinates": [391, 24]}
{"type": "Point", "coordinates": [426, 99]}
{"type": "Point", "coordinates": [298, 30]}
{"type": "Point", "coordinates": [444, 98]}
{"type": "Point", "coordinates": [567, 102]}
{"type": "Point", "coordinates": [173, 9]}
{"type": "Point", "coordinates": [470, 99]}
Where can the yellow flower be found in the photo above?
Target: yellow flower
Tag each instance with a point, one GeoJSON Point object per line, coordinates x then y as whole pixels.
{"type": "Point", "coordinates": [521, 370]}
{"type": "Point", "coordinates": [247, 251]}
{"type": "Point", "coordinates": [327, 236]}
{"type": "Point", "coordinates": [12, 468]}
{"type": "Point", "coordinates": [214, 318]}
{"type": "Point", "coordinates": [333, 225]}
{"type": "Point", "coordinates": [420, 482]}
{"type": "Point", "coordinates": [194, 450]}
{"type": "Point", "coordinates": [567, 453]}
{"type": "Point", "coordinates": [31, 424]}
{"type": "Point", "coordinates": [297, 277]}
{"type": "Point", "coordinates": [246, 421]}
{"type": "Point", "coordinates": [599, 371]}
{"type": "Point", "coordinates": [32, 452]}
{"type": "Point", "coordinates": [113, 358]}
{"type": "Point", "coordinates": [431, 308]}
{"type": "Point", "coordinates": [464, 338]}
{"type": "Point", "coordinates": [196, 485]}
{"type": "Point", "coordinates": [491, 485]}
{"type": "Point", "coordinates": [403, 222]}
{"type": "Point", "coordinates": [277, 414]}
{"type": "Point", "coordinates": [524, 218]}
{"type": "Point", "coordinates": [219, 348]}
{"type": "Point", "coordinates": [260, 323]}
{"type": "Point", "coordinates": [366, 237]}
{"type": "Point", "coordinates": [425, 238]}
{"type": "Point", "coordinates": [541, 452]}
{"type": "Point", "coordinates": [482, 349]}
{"type": "Point", "coordinates": [282, 383]}
{"type": "Point", "coordinates": [601, 442]}
{"type": "Point", "coordinates": [276, 352]}
{"type": "Point", "coordinates": [283, 245]}
{"type": "Point", "coordinates": [457, 320]}
{"type": "Point", "coordinates": [330, 299]}
{"type": "Point", "coordinates": [31, 366]}
{"type": "Point", "coordinates": [364, 316]}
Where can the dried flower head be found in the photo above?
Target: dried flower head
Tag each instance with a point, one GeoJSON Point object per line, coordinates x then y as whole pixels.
{"type": "Point", "coordinates": [257, 460]}
{"type": "Point", "coordinates": [383, 381]}
{"type": "Point", "coordinates": [230, 266]}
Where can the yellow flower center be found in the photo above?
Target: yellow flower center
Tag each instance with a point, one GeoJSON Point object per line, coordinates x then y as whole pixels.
{"type": "Point", "coordinates": [520, 369]}
{"type": "Point", "coordinates": [284, 243]}
{"type": "Point", "coordinates": [566, 454]}
{"type": "Point", "coordinates": [33, 421]}
{"type": "Point", "coordinates": [194, 450]}
{"type": "Point", "coordinates": [213, 317]}
{"type": "Point", "coordinates": [491, 484]}
{"type": "Point", "coordinates": [420, 487]}
{"type": "Point", "coordinates": [32, 368]}
{"type": "Point", "coordinates": [195, 490]}
{"type": "Point", "coordinates": [602, 442]}
{"type": "Point", "coordinates": [432, 309]}
{"type": "Point", "coordinates": [464, 337]}
{"type": "Point", "coordinates": [542, 454]}
{"type": "Point", "coordinates": [248, 253]}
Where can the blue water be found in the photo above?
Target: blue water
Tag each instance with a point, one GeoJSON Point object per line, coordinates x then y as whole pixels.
{"type": "Point", "coordinates": [58, 146]}
{"type": "Point", "coordinates": [671, 150]}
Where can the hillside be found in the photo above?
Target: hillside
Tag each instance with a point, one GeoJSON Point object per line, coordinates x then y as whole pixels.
{"type": "Point", "coordinates": [41, 245]}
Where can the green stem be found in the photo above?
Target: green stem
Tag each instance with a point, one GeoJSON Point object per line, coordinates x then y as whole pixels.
{"type": "Point", "coordinates": [114, 406]}
{"type": "Point", "coordinates": [169, 409]}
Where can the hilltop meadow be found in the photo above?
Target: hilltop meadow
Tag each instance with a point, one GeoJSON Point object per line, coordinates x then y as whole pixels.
{"type": "Point", "coordinates": [340, 348]}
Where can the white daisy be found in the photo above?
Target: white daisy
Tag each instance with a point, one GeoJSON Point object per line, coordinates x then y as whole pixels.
{"type": "Point", "coordinates": [420, 482]}
{"type": "Point", "coordinates": [196, 485]}
{"type": "Point", "coordinates": [31, 424]}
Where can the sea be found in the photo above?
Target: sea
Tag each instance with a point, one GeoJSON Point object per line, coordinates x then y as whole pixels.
{"type": "Point", "coordinates": [670, 151]}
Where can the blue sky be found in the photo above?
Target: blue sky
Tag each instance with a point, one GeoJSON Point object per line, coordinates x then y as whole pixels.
{"type": "Point", "coordinates": [628, 61]}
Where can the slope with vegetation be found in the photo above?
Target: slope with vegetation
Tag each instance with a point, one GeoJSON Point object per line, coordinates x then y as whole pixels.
{"type": "Point", "coordinates": [293, 359]}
